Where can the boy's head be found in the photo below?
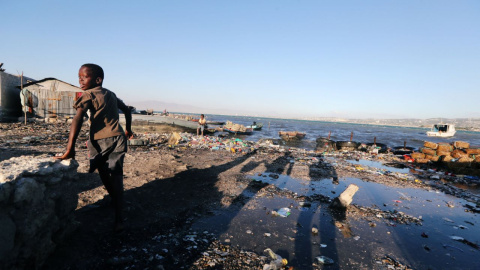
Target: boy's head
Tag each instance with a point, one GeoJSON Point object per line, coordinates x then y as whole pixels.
{"type": "Point", "coordinates": [90, 76]}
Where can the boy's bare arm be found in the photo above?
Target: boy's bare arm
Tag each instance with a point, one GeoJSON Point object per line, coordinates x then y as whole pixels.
{"type": "Point", "coordinates": [74, 131]}
{"type": "Point", "coordinates": [128, 119]}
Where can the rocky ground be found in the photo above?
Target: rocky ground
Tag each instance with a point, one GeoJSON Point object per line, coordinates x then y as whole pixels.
{"type": "Point", "coordinates": [168, 187]}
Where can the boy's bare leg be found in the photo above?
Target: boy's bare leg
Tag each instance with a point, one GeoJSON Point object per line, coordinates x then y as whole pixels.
{"type": "Point", "coordinates": [117, 181]}
{"type": "Point", "coordinates": [105, 176]}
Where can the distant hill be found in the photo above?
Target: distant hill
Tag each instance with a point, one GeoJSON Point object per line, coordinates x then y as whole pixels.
{"type": "Point", "coordinates": [174, 107]}
{"type": "Point", "coordinates": [160, 106]}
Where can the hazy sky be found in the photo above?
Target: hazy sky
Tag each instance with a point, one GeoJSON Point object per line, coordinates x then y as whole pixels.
{"type": "Point", "coordinates": [355, 59]}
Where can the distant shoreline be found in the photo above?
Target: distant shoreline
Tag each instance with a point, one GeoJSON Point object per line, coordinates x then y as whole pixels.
{"type": "Point", "coordinates": [378, 122]}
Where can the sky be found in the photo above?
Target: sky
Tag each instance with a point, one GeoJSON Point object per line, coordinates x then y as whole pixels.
{"type": "Point", "coordinates": [346, 59]}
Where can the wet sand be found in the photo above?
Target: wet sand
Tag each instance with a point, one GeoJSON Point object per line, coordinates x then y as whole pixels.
{"type": "Point", "coordinates": [189, 207]}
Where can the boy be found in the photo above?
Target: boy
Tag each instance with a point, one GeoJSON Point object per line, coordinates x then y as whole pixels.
{"type": "Point", "coordinates": [201, 124]}
{"type": "Point", "coordinates": [107, 144]}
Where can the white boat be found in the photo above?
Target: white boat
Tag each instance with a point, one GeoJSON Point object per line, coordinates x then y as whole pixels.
{"type": "Point", "coordinates": [442, 130]}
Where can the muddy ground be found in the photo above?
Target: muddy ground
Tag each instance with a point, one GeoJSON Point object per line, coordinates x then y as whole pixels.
{"type": "Point", "coordinates": [170, 190]}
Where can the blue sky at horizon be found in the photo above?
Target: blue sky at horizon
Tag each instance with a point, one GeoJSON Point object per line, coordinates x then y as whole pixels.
{"type": "Point", "coordinates": [351, 59]}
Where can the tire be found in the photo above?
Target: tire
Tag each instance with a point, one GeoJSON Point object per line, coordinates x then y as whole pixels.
{"type": "Point", "coordinates": [347, 145]}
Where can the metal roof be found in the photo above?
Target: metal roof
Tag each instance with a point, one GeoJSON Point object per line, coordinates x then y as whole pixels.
{"type": "Point", "coordinates": [53, 84]}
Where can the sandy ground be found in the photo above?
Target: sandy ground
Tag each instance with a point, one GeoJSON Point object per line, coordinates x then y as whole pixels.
{"type": "Point", "coordinates": [166, 190]}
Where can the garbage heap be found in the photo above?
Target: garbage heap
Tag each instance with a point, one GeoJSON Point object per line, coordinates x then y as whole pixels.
{"type": "Point", "coordinates": [235, 127]}
{"type": "Point", "coordinates": [456, 154]}
{"type": "Point", "coordinates": [36, 209]}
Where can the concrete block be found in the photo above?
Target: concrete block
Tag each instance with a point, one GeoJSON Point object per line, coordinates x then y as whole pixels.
{"type": "Point", "coordinates": [346, 198]}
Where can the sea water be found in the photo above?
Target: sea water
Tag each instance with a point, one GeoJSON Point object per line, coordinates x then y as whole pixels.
{"type": "Point", "coordinates": [362, 133]}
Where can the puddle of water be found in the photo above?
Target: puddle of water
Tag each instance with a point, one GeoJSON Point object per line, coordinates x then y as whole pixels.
{"type": "Point", "coordinates": [473, 189]}
{"type": "Point", "coordinates": [378, 165]}
{"type": "Point", "coordinates": [357, 244]}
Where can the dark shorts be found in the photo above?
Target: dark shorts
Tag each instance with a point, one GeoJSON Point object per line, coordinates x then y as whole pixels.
{"type": "Point", "coordinates": [108, 153]}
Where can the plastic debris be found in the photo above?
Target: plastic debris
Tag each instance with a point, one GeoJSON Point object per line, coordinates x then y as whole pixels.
{"type": "Point", "coordinates": [324, 260]}
{"type": "Point", "coordinates": [284, 212]}
{"type": "Point", "coordinates": [277, 262]}
{"type": "Point", "coordinates": [465, 241]}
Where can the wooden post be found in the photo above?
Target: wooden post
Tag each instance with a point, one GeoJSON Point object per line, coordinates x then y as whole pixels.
{"type": "Point", "coordinates": [24, 98]}
{"type": "Point", "coordinates": [329, 133]}
{"type": "Point", "coordinates": [351, 136]}
{"type": "Point", "coordinates": [374, 140]}
{"type": "Point", "coordinates": [404, 145]}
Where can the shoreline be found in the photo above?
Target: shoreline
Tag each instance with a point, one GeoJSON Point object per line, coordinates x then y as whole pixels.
{"type": "Point", "coordinates": [346, 121]}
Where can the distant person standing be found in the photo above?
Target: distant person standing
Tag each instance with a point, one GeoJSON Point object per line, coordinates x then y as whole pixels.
{"type": "Point", "coordinates": [202, 122]}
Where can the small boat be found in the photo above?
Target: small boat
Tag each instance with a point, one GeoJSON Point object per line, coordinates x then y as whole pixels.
{"type": "Point", "coordinates": [209, 131]}
{"type": "Point", "coordinates": [237, 129]}
{"type": "Point", "coordinates": [442, 130]}
{"type": "Point", "coordinates": [256, 126]}
{"type": "Point", "coordinates": [247, 131]}
{"type": "Point", "coordinates": [216, 123]}
{"type": "Point", "coordinates": [291, 135]}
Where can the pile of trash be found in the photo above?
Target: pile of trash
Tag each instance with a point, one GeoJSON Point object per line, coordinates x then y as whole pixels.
{"type": "Point", "coordinates": [458, 153]}
{"type": "Point", "coordinates": [189, 140]}
{"type": "Point", "coordinates": [235, 127]}
{"type": "Point", "coordinates": [391, 218]}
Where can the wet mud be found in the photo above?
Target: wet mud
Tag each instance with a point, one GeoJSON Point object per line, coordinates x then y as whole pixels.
{"type": "Point", "coordinates": [191, 207]}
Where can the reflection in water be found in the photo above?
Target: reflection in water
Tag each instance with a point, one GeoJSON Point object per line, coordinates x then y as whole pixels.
{"type": "Point", "coordinates": [352, 238]}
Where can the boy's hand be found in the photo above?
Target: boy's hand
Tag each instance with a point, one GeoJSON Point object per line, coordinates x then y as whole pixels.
{"type": "Point", "coordinates": [67, 155]}
{"type": "Point", "coordinates": [129, 134]}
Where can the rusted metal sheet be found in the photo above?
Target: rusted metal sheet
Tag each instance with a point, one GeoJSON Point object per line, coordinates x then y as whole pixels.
{"type": "Point", "coordinates": [55, 98]}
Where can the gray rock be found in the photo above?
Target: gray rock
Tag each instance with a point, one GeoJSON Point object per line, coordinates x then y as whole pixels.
{"type": "Point", "coordinates": [7, 235]}
{"type": "Point", "coordinates": [28, 190]}
{"type": "Point", "coordinates": [5, 192]}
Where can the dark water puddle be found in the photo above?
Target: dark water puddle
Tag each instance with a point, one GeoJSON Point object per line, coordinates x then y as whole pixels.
{"type": "Point", "coordinates": [378, 165]}
{"type": "Point", "coordinates": [351, 242]}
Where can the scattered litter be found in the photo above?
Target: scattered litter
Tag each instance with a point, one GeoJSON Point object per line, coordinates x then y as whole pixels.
{"type": "Point", "coordinates": [276, 263]}
{"type": "Point", "coordinates": [284, 212]}
{"type": "Point", "coordinates": [324, 260]}
{"type": "Point", "coordinates": [465, 241]}
{"type": "Point", "coordinates": [448, 220]}
{"type": "Point", "coordinates": [450, 246]}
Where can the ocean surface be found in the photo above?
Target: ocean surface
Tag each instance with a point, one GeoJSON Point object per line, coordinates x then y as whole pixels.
{"type": "Point", "coordinates": [362, 133]}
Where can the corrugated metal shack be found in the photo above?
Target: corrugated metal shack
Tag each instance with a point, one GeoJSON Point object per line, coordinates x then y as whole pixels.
{"type": "Point", "coordinates": [50, 98]}
{"type": "Point", "coordinates": [10, 106]}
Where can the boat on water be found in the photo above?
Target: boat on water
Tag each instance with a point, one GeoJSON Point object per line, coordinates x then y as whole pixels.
{"type": "Point", "coordinates": [256, 126]}
{"type": "Point", "coordinates": [247, 131]}
{"type": "Point", "coordinates": [291, 135]}
{"type": "Point", "coordinates": [237, 129]}
{"type": "Point", "coordinates": [216, 123]}
{"type": "Point", "coordinates": [442, 130]}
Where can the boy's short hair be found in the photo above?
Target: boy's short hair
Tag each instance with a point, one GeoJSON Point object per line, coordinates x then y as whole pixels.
{"type": "Point", "coordinates": [96, 69]}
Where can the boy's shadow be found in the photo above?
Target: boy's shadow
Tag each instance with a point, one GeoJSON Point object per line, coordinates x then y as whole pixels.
{"type": "Point", "coordinates": [151, 209]}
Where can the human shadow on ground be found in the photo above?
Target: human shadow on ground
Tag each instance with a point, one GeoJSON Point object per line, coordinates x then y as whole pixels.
{"type": "Point", "coordinates": [327, 232]}
{"type": "Point", "coordinates": [151, 209]}
{"type": "Point", "coordinates": [164, 206]}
